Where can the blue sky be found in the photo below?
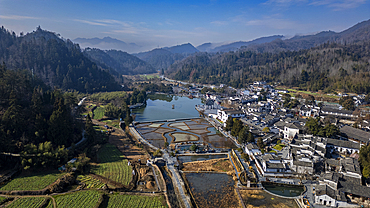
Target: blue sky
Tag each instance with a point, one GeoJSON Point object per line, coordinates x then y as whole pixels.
{"type": "Point", "coordinates": [166, 23]}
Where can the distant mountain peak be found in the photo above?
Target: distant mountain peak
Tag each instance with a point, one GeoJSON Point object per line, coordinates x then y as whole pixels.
{"type": "Point", "coordinates": [108, 43]}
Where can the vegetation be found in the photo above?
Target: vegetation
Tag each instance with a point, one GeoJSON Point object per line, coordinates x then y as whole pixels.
{"type": "Point", "coordinates": [119, 61]}
{"type": "Point", "coordinates": [58, 62]}
{"type": "Point", "coordinates": [90, 182]}
{"type": "Point", "coordinates": [314, 126]}
{"type": "Point", "coordinates": [364, 160]}
{"type": "Point", "coordinates": [328, 67]}
{"type": "Point", "coordinates": [32, 182]}
{"type": "Point", "coordinates": [157, 153]}
{"type": "Point", "coordinates": [29, 202]}
{"type": "Point", "coordinates": [134, 201]}
{"type": "Point", "coordinates": [99, 113]}
{"type": "Point", "coordinates": [279, 146]}
{"type": "Point", "coordinates": [88, 198]}
{"type": "Point", "coordinates": [113, 165]}
{"type": "Point", "coordinates": [2, 199]}
{"type": "Point", "coordinates": [153, 87]}
{"type": "Point", "coordinates": [107, 96]}
{"type": "Point", "coordinates": [347, 103]}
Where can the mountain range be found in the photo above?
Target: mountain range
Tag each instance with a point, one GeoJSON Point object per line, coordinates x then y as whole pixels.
{"type": "Point", "coordinates": [108, 43]}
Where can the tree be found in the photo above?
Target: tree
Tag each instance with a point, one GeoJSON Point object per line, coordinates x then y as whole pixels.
{"type": "Point", "coordinates": [237, 126]}
{"type": "Point", "coordinates": [193, 147]}
{"type": "Point", "coordinates": [243, 135]}
{"type": "Point", "coordinates": [331, 130]}
{"type": "Point", "coordinates": [310, 100]}
{"type": "Point", "coordinates": [229, 123]}
{"type": "Point", "coordinates": [347, 103]}
{"type": "Point", "coordinates": [266, 129]}
{"type": "Point", "coordinates": [250, 138]}
{"type": "Point", "coordinates": [90, 131]}
{"type": "Point", "coordinates": [260, 143]}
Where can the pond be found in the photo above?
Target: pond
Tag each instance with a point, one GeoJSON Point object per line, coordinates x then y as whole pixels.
{"type": "Point", "coordinates": [212, 189]}
{"type": "Point", "coordinates": [192, 158]}
{"type": "Point", "coordinates": [287, 191]}
{"type": "Point", "coordinates": [165, 107]}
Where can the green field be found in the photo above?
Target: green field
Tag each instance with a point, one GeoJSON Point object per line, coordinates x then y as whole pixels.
{"type": "Point", "coordinates": [33, 182]}
{"type": "Point", "coordinates": [79, 199]}
{"type": "Point", "coordinates": [2, 199]}
{"type": "Point", "coordinates": [107, 96]}
{"type": "Point", "coordinates": [132, 201]}
{"type": "Point", "coordinates": [292, 92]}
{"type": "Point", "coordinates": [99, 112]}
{"type": "Point", "coordinates": [29, 202]}
{"type": "Point", "coordinates": [114, 123]}
{"type": "Point", "coordinates": [90, 182]}
{"type": "Point", "coordinates": [113, 165]}
{"type": "Point", "coordinates": [149, 76]}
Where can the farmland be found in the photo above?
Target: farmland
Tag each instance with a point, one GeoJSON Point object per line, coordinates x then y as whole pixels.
{"type": "Point", "coordinates": [134, 201]}
{"type": "Point", "coordinates": [113, 165]}
{"type": "Point", "coordinates": [79, 199]}
{"type": "Point", "coordinates": [32, 182]}
{"type": "Point", "coordinates": [30, 202]}
{"type": "Point", "coordinates": [90, 182]}
{"type": "Point", "coordinates": [99, 113]}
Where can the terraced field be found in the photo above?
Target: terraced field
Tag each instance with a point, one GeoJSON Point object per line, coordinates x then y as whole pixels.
{"type": "Point", "coordinates": [32, 182]}
{"type": "Point", "coordinates": [132, 201]}
{"type": "Point", "coordinates": [113, 165]}
{"type": "Point", "coordinates": [79, 199]}
{"type": "Point", "coordinates": [29, 202]}
{"type": "Point", "coordinates": [90, 182]}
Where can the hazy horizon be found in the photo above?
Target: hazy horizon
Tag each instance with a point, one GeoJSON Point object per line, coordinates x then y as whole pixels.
{"type": "Point", "coordinates": [153, 24]}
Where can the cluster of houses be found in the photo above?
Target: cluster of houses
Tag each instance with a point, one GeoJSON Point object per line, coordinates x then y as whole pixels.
{"type": "Point", "coordinates": [331, 161]}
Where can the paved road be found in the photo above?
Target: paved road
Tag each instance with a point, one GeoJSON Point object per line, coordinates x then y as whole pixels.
{"type": "Point", "coordinates": [177, 180]}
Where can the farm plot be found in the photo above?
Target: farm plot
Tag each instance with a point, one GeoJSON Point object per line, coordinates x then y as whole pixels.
{"type": "Point", "coordinates": [90, 182]}
{"type": "Point", "coordinates": [29, 202]}
{"type": "Point", "coordinates": [99, 113]}
{"type": "Point", "coordinates": [79, 199]}
{"type": "Point", "coordinates": [117, 201]}
{"type": "Point", "coordinates": [113, 165]}
{"type": "Point", "coordinates": [32, 182]}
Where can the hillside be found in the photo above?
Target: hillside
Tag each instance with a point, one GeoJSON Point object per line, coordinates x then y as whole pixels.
{"type": "Point", "coordinates": [328, 67]}
{"type": "Point", "coordinates": [356, 34]}
{"type": "Point", "coordinates": [120, 62]}
{"type": "Point", "coordinates": [56, 61]}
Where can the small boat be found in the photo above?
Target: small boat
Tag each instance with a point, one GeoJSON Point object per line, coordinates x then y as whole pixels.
{"type": "Point", "coordinates": [173, 106]}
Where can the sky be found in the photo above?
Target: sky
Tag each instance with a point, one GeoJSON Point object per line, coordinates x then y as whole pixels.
{"type": "Point", "coordinates": [162, 23]}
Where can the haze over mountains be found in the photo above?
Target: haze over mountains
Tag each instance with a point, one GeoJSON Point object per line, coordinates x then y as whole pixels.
{"type": "Point", "coordinates": [62, 63]}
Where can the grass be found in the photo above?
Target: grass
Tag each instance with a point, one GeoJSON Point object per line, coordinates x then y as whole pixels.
{"type": "Point", "coordinates": [29, 202]}
{"type": "Point", "coordinates": [113, 165]}
{"type": "Point", "coordinates": [89, 198]}
{"type": "Point", "coordinates": [292, 92]}
{"type": "Point", "coordinates": [107, 96]}
{"type": "Point", "coordinates": [279, 147]}
{"type": "Point", "coordinates": [2, 199]}
{"type": "Point", "coordinates": [99, 112]}
{"type": "Point", "coordinates": [90, 182]}
{"type": "Point", "coordinates": [149, 76]}
{"type": "Point", "coordinates": [114, 123]}
{"type": "Point", "coordinates": [134, 201]}
{"type": "Point", "coordinates": [32, 182]}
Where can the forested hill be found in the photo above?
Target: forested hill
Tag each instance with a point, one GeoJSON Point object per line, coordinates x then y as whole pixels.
{"type": "Point", "coordinates": [119, 61]}
{"type": "Point", "coordinates": [326, 67]}
{"type": "Point", "coordinates": [56, 61]}
{"type": "Point", "coordinates": [355, 34]}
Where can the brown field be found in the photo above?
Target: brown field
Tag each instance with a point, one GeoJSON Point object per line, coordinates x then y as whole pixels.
{"type": "Point", "coordinates": [260, 198]}
{"type": "Point", "coordinates": [217, 165]}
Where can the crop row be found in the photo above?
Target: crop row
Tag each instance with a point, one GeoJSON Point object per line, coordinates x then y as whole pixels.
{"type": "Point", "coordinates": [90, 182]}
{"type": "Point", "coordinates": [116, 201]}
{"type": "Point", "coordinates": [79, 199]}
{"type": "Point", "coordinates": [29, 202]}
{"type": "Point", "coordinates": [113, 165]}
{"type": "Point", "coordinates": [34, 182]}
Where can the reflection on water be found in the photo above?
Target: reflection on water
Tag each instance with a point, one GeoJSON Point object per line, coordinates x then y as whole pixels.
{"type": "Point", "coordinates": [284, 190]}
{"type": "Point", "coordinates": [159, 107]}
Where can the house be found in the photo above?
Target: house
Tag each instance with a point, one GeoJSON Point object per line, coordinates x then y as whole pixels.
{"type": "Point", "coordinates": [356, 135]}
{"type": "Point", "coordinates": [344, 147]}
{"type": "Point", "coordinates": [223, 115]}
{"type": "Point", "coordinates": [272, 165]}
{"type": "Point", "coordinates": [338, 112]}
{"type": "Point", "coordinates": [292, 129]}
{"type": "Point", "coordinates": [327, 196]}
{"type": "Point", "coordinates": [309, 111]}
{"type": "Point", "coordinates": [252, 150]}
